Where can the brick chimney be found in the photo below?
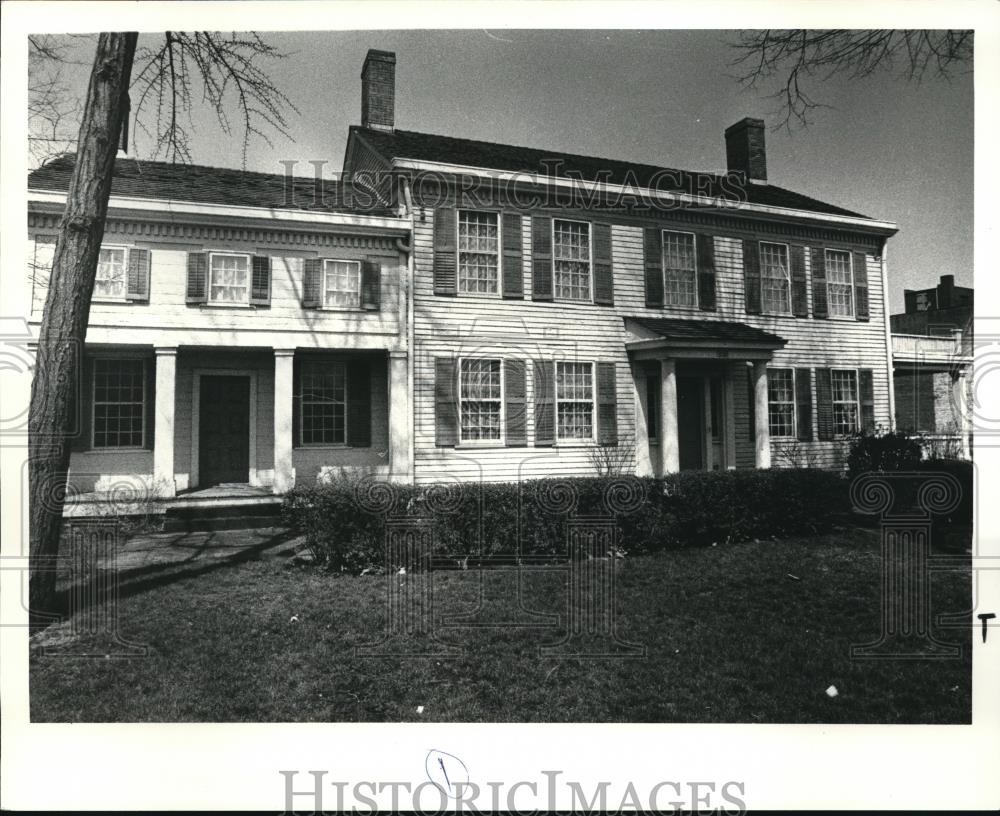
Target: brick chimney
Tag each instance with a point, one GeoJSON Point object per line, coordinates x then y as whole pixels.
{"type": "Point", "coordinates": [378, 90]}
{"type": "Point", "coordinates": [945, 292]}
{"type": "Point", "coordinates": [745, 152]}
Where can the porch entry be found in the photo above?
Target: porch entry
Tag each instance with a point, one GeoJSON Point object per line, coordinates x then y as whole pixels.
{"type": "Point", "coordinates": [224, 430]}
{"type": "Point", "coordinates": [701, 422]}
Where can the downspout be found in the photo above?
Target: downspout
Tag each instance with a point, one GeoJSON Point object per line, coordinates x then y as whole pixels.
{"type": "Point", "coordinates": [411, 351]}
{"type": "Point", "coordinates": [888, 336]}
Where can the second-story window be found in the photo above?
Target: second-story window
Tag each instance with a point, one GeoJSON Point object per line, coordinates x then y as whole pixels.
{"type": "Point", "coordinates": [480, 398]}
{"type": "Point", "coordinates": [342, 284]}
{"type": "Point", "coordinates": [571, 259]}
{"type": "Point", "coordinates": [679, 270]}
{"type": "Point", "coordinates": [109, 284]}
{"type": "Point", "coordinates": [478, 252]}
{"type": "Point", "coordinates": [839, 283]}
{"type": "Point", "coordinates": [774, 278]}
{"type": "Point", "coordinates": [229, 278]}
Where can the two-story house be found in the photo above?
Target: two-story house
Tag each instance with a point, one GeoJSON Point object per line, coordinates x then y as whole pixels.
{"type": "Point", "coordinates": [564, 305]}
{"type": "Point", "coordinates": [244, 330]}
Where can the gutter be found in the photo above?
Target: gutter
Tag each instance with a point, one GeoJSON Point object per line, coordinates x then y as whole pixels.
{"type": "Point", "coordinates": [888, 336]}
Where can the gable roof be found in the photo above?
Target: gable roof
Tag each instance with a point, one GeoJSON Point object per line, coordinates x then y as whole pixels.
{"type": "Point", "coordinates": [707, 330]}
{"type": "Point", "coordinates": [213, 185]}
{"type": "Point", "coordinates": [405, 144]}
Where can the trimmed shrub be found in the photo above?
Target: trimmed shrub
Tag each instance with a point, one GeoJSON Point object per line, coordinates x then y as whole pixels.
{"type": "Point", "coordinates": [345, 521]}
{"type": "Point", "coordinates": [882, 451]}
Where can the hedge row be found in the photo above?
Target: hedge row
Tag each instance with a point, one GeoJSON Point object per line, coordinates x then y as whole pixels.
{"type": "Point", "coordinates": [344, 521]}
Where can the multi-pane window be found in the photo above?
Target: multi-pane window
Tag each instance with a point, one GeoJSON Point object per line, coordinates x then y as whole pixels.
{"type": "Point", "coordinates": [571, 259]}
{"type": "Point", "coordinates": [679, 270]}
{"type": "Point", "coordinates": [774, 283]}
{"type": "Point", "coordinates": [574, 401]}
{"type": "Point", "coordinates": [323, 403]}
{"type": "Point", "coordinates": [229, 278]}
{"type": "Point", "coordinates": [109, 284]}
{"type": "Point", "coordinates": [839, 282]}
{"type": "Point", "coordinates": [119, 402]}
{"type": "Point", "coordinates": [781, 401]}
{"type": "Point", "coordinates": [478, 252]}
{"type": "Point", "coordinates": [845, 401]}
{"type": "Point", "coordinates": [342, 284]}
{"type": "Point", "coordinates": [480, 399]}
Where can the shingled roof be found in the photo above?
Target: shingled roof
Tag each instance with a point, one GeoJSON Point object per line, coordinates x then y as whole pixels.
{"type": "Point", "coordinates": [213, 185]}
{"type": "Point", "coordinates": [404, 144]}
{"type": "Point", "coordinates": [710, 330]}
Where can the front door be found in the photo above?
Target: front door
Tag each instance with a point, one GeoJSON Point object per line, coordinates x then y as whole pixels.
{"type": "Point", "coordinates": [691, 422]}
{"type": "Point", "coordinates": [224, 430]}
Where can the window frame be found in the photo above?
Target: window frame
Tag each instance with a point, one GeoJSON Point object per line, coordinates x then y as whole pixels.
{"type": "Point", "coordinates": [208, 283]}
{"type": "Point", "coordinates": [787, 312]}
{"type": "Point", "coordinates": [482, 443]}
{"type": "Point", "coordinates": [499, 253]}
{"type": "Point", "coordinates": [324, 272]}
{"type": "Point", "coordinates": [834, 402]}
{"type": "Point", "coordinates": [301, 443]}
{"type": "Point", "coordinates": [829, 300]}
{"type": "Point", "coordinates": [793, 402]}
{"type": "Point", "coordinates": [575, 440]}
{"type": "Point", "coordinates": [590, 261]}
{"type": "Point", "coordinates": [93, 402]}
{"type": "Point", "coordinates": [663, 269]}
{"type": "Point", "coordinates": [125, 259]}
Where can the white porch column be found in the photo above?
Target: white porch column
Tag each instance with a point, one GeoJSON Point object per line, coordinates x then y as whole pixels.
{"type": "Point", "coordinates": [284, 473]}
{"type": "Point", "coordinates": [400, 419]}
{"type": "Point", "coordinates": [670, 450]}
{"type": "Point", "coordinates": [643, 460]}
{"type": "Point", "coordinates": [960, 399]}
{"type": "Point", "coordinates": [163, 439]}
{"type": "Point", "coordinates": [762, 435]}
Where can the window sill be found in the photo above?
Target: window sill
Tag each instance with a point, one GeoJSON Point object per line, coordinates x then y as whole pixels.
{"type": "Point", "coordinates": [109, 300]}
{"type": "Point", "coordinates": [323, 446]}
{"type": "Point", "coordinates": [575, 443]}
{"type": "Point", "coordinates": [133, 449]}
{"type": "Point", "coordinates": [227, 305]}
{"type": "Point", "coordinates": [491, 444]}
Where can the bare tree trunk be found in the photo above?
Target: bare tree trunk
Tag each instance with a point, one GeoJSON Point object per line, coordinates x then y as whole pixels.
{"type": "Point", "coordinates": [67, 311]}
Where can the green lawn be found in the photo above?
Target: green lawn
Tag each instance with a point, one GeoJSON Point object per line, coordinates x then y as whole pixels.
{"type": "Point", "coordinates": [729, 637]}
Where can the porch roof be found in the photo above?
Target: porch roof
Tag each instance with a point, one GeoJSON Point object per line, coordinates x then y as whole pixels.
{"type": "Point", "coordinates": [665, 332]}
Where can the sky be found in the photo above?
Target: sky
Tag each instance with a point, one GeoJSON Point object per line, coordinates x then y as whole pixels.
{"type": "Point", "coordinates": [885, 147]}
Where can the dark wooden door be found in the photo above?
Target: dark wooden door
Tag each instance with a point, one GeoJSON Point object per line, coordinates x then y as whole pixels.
{"type": "Point", "coordinates": [690, 422]}
{"type": "Point", "coordinates": [224, 430]}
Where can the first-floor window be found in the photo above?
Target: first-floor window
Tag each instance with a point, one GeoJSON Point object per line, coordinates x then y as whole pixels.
{"type": "Point", "coordinates": [571, 259]}
{"type": "Point", "coordinates": [119, 402]}
{"type": "Point", "coordinates": [109, 284]}
{"type": "Point", "coordinates": [574, 400]}
{"type": "Point", "coordinates": [480, 399]}
{"type": "Point", "coordinates": [839, 283]}
{"type": "Point", "coordinates": [679, 269]}
{"type": "Point", "coordinates": [781, 401]}
{"type": "Point", "coordinates": [774, 278]}
{"type": "Point", "coordinates": [342, 284]}
{"type": "Point", "coordinates": [323, 401]}
{"type": "Point", "coordinates": [229, 278]}
{"type": "Point", "coordinates": [845, 401]}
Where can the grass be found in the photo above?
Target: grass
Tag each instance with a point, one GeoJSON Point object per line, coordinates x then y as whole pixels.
{"type": "Point", "coordinates": [729, 637]}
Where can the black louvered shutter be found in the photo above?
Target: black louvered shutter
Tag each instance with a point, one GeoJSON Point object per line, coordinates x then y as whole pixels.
{"type": "Point", "coordinates": [445, 403]}
{"type": "Point", "coordinates": [751, 276]}
{"type": "Point", "coordinates": [371, 285]}
{"type": "Point", "coordinates": [359, 404]}
{"type": "Point", "coordinates": [604, 281]}
{"type": "Point", "coordinates": [513, 256]}
{"type": "Point", "coordinates": [706, 272]}
{"type": "Point", "coordinates": [607, 405]}
{"type": "Point", "coordinates": [296, 403]}
{"type": "Point", "coordinates": [824, 404]}
{"type": "Point", "coordinates": [818, 258]}
{"type": "Point", "coordinates": [800, 286]}
{"type": "Point", "coordinates": [861, 286]}
{"type": "Point", "coordinates": [541, 258]}
{"type": "Point", "coordinates": [544, 384]}
{"type": "Point", "coordinates": [515, 402]}
{"type": "Point", "coordinates": [149, 368]}
{"type": "Point", "coordinates": [866, 396]}
{"type": "Point", "coordinates": [312, 272]}
{"type": "Point", "coordinates": [445, 253]}
{"type": "Point", "coordinates": [138, 275]}
{"type": "Point", "coordinates": [751, 405]}
{"type": "Point", "coordinates": [803, 404]}
{"type": "Point", "coordinates": [260, 289]}
{"type": "Point", "coordinates": [197, 277]}
{"type": "Point", "coordinates": [652, 250]}
{"type": "Point", "coordinates": [82, 412]}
